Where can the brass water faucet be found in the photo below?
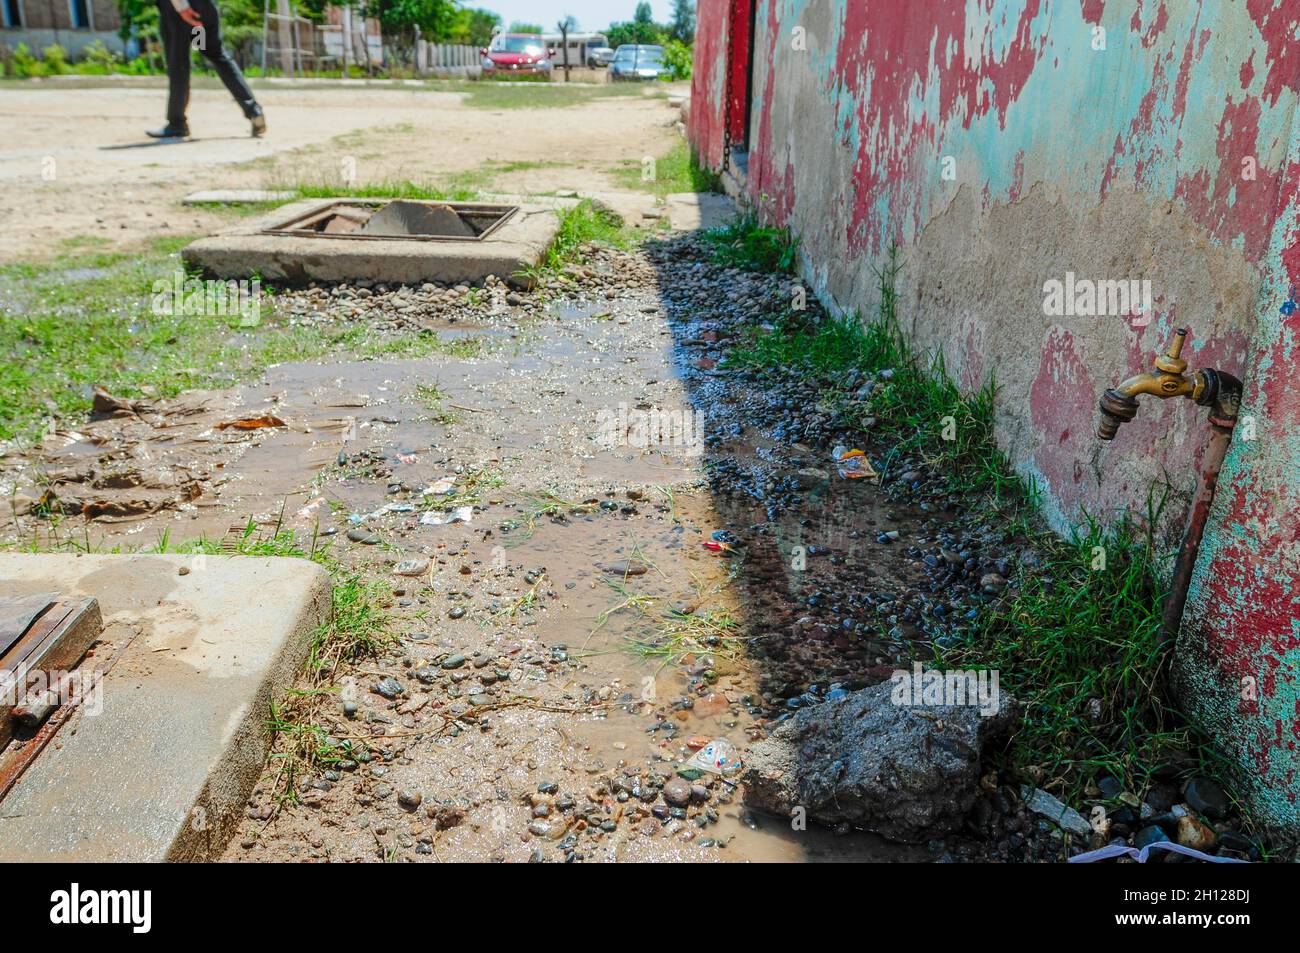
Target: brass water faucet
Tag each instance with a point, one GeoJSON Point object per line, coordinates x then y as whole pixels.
{"type": "Point", "coordinates": [1207, 387]}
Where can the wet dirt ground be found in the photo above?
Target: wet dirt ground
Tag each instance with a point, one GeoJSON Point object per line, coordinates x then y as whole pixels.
{"type": "Point", "coordinates": [612, 599]}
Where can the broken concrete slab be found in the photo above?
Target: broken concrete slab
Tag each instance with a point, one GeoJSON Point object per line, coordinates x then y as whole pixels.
{"type": "Point", "coordinates": [237, 196]}
{"type": "Point", "coordinates": [907, 772]}
{"type": "Point", "coordinates": [688, 211]}
{"type": "Point", "coordinates": [403, 218]}
{"type": "Point", "coordinates": [164, 772]}
{"type": "Point", "coordinates": [246, 250]}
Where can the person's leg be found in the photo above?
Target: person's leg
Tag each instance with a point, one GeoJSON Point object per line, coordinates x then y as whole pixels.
{"type": "Point", "coordinates": [176, 53]}
{"type": "Point", "coordinates": [222, 61]}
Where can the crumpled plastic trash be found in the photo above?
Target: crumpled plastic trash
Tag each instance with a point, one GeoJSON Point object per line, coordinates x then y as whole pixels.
{"type": "Point", "coordinates": [461, 514]}
{"type": "Point", "coordinates": [852, 464]}
{"type": "Point", "coordinates": [719, 756]}
{"type": "Point", "coordinates": [255, 422]}
{"type": "Point", "coordinates": [721, 541]}
{"type": "Point", "coordinates": [1143, 855]}
{"type": "Point", "coordinates": [355, 518]}
{"type": "Point", "coordinates": [310, 508]}
{"type": "Point", "coordinates": [440, 487]}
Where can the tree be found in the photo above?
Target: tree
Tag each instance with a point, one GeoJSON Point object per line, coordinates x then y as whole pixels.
{"type": "Point", "coordinates": [641, 29]}
{"type": "Point", "coordinates": [399, 20]}
{"type": "Point", "coordinates": [139, 17]}
{"type": "Point", "coordinates": [683, 23]}
{"type": "Point", "coordinates": [520, 27]}
{"type": "Point", "coordinates": [479, 25]}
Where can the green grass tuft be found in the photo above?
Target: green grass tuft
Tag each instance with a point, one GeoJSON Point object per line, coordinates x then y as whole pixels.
{"type": "Point", "coordinates": [678, 171]}
{"type": "Point", "coordinates": [387, 189]}
{"type": "Point", "coordinates": [746, 244]}
{"type": "Point", "coordinates": [544, 95]}
{"type": "Point", "coordinates": [914, 404]}
{"type": "Point", "coordinates": [582, 224]}
{"type": "Point", "coordinates": [87, 319]}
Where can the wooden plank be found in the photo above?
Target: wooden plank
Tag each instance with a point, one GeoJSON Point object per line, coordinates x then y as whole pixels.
{"type": "Point", "coordinates": [57, 641]}
{"type": "Point", "coordinates": [17, 613]}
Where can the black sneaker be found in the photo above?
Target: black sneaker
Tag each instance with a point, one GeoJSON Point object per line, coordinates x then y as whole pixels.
{"type": "Point", "coordinates": [169, 131]}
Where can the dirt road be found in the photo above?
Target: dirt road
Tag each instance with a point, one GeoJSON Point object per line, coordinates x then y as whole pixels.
{"type": "Point", "coordinates": [75, 163]}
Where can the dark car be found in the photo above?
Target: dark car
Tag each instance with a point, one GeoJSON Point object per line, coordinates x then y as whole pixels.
{"type": "Point", "coordinates": [513, 54]}
{"type": "Point", "coordinates": [633, 62]}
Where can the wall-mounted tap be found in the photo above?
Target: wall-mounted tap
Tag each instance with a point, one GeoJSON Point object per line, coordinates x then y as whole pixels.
{"type": "Point", "coordinates": [1218, 390]}
{"type": "Point", "coordinates": [1207, 387]}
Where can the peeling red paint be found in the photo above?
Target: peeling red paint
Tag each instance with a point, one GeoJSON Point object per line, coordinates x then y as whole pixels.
{"type": "Point", "coordinates": [1157, 26]}
{"type": "Point", "coordinates": [890, 55]}
{"type": "Point", "coordinates": [1278, 21]}
{"type": "Point", "coordinates": [706, 120]}
{"type": "Point", "coordinates": [1229, 205]}
{"type": "Point", "coordinates": [1062, 394]}
{"type": "Point", "coordinates": [1091, 10]}
{"type": "Point", "coordinates": [1017, 178]}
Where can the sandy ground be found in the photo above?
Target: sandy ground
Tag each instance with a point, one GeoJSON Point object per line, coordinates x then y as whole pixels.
{"type": "Point", "coordinates": [75, 163]}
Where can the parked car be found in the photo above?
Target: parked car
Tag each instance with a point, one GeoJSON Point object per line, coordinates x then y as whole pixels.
{"type": "Point", "coordinates": [515, 54]}
{"type": "Point", "coordinates": [598, 57]}
{"type": "Point", "coordinates": [633, 62]}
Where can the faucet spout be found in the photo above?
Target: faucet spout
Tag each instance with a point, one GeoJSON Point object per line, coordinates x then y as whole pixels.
{"type": "Point", "coordinates": [1119, 404]}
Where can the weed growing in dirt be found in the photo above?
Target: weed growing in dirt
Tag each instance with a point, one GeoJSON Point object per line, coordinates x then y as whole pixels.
{"type": "Point", "coordinates": [544, 95]}
{"type": "Point", "coordinates": [433, 399]}
{"type": "Point", "coordinates": [357, 629]}
{"type": "Point", "coordinates": [86, 320]}
{"type": "Point", "coordinates": [386, 189]}
{"type": "Point", "coordinates": [746, 244]}
{"type": "Point", "coordinates": [582, 224]}
{"type": "Point", "coordinates": [678, 171]}
{"type": "Point", "coordinates": [1080, 648]}
{"type": "Point", "coordinates": [913, 403]}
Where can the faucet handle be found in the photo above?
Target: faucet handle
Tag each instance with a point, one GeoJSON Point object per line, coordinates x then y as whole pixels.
{"type": "Point", "coordinates": [1172, 363]}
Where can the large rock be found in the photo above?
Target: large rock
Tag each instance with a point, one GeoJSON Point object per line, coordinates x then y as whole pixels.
{"type": "Point", "coordinates": [908, 772]}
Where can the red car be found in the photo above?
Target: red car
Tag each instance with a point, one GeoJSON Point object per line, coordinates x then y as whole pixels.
{"type": "Point", "coordinates": [514, 54]}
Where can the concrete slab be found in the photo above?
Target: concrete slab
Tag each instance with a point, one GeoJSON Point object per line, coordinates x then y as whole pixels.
{"type": "Point", "coordinates": [164, 772]}
{"type": "Point", "coordinates": [237, 196]}
{"type": "Point", "coordinates": [244, 252]}
{"type": "Point", "coordinates": [691, 210]}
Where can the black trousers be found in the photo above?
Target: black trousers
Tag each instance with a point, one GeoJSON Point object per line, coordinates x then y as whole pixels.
{"type": "Point", "coordinates": [178, 38]}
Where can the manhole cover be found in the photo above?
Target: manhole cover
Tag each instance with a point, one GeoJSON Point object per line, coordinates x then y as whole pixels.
{"type": "Point", "coordinates": [401, 220]}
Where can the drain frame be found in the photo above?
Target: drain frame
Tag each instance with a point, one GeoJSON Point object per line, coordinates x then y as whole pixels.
{"type": "Point", "coordinates": [294, 227]}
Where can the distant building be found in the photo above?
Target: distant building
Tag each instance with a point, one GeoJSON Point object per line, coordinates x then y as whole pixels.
{"type": "Point", "coordinates": [72, 24]}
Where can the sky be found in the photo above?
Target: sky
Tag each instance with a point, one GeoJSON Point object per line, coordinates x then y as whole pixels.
{"type": "Point", "coordinates": [592, 15]}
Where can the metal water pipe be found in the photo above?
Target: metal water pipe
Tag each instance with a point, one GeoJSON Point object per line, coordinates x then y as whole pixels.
{"type": "Point", "coordinates": [1207, 387]}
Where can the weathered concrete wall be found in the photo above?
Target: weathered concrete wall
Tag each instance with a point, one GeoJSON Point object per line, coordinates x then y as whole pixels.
{"type": "Point", "coordinates": [1006, 143]}
{"type": "Point", "coordinates": [1238, 655]}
